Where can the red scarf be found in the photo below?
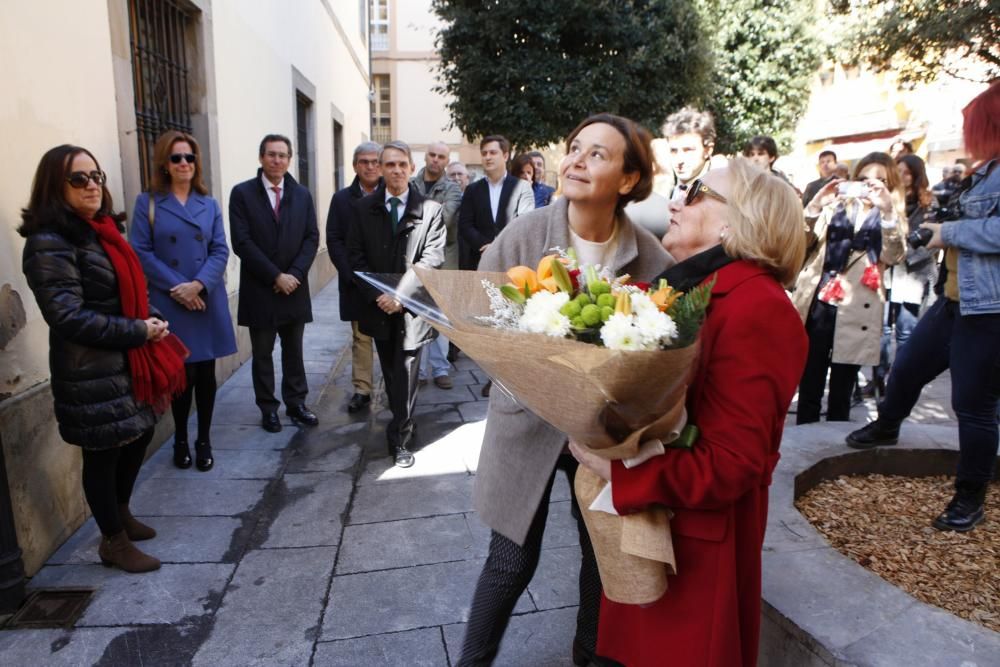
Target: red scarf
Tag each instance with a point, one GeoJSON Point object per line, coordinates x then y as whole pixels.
{"type": "Point", "coordinates": [157, 367]}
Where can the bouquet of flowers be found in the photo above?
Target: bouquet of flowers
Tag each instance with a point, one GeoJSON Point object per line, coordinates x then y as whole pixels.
{"type": "Point", "coordinates": [601, 359]}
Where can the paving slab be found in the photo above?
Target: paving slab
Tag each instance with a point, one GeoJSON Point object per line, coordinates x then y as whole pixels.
{"type": "Point", "coordinates": [474, 412]}
{"type": "Point", "coordinates": [560, 526]}
{"type": "Point", "coordinates": [395, 544]}
{"type": "Point", "coordinates": [229, 464]}
{"type": "Point", "coordinates": [557, 580]}
{"type": "Point", "coordinates": [196, 497]}
{"type": "Point", "coordinates": [270, 610]}
{"type": "Point", "coordinates": [540, 639]}
{"type": "Point", "coordinates": [404, 599]}
{"type": "Point", "coordinates": [311, 508]}
{"type": "Point", "coordinates": [412, 498]}
{"type": "Point", "coordinates": [171, 594]}
{"type": "Point", "coordinates": [249, 437]}
{"type": "Point", "coordinates": [194, 539]}
{"type": "Point", "coordinates": [454, 452]}
{"type": "Point", "coordinates": [431, 394]}
{"type": "Point", "coordinates": [327, 452]}
{"type": "Point", "coordinates": [59, 648]}
{"type": "Point", "coordinates": [413, 648]}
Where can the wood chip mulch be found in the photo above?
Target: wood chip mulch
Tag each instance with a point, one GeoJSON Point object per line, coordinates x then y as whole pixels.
{"type": "Point", "coordinates": [883, 523]}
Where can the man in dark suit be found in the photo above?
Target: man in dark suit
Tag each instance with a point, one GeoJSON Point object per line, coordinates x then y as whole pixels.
{"type": "Point", "coordinates": [273, 225]}
{"type": "Point", "coordinates": [338, 224]}
{"type": "Point", "coordinates": [396, 228]}
{"type": "Point", "coordinates": [491, 202]}
{"type": "Point", "coordinates": [826, 166]}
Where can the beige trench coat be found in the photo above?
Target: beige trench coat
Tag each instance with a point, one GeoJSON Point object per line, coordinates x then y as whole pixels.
{"type": "Point", "coordinates": [520, 450]}
{"type": "Point", "coordinates": [859, 316]}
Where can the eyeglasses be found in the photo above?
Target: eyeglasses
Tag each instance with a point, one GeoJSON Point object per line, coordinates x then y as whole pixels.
{"type": "Point", "coordinates": [80, 179]}
{"type": "Point", "coordinates": [697, 189]}
{"type": "Point", "coordinates": [187, 157]}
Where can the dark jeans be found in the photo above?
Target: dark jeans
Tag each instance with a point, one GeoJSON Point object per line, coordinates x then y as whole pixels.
{"type": "Point", "coordinates": [820, 327]}
{"type": "Point", "coordinates": [108, 479]}
{"type": "Point", "coordinates": [400, 369]}
{"type": "Point", "coordinates": [201, 386]}
{"type": "Point", "coordinates": [901, 317]}
{"type": "Point", "coordinates": [293, 371]}
{"type": "Point", "coordinates": [970, 346]}
{"type": "Point", "coordinates": [508, 571]}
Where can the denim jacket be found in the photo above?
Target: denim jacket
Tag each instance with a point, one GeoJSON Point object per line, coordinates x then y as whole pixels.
{"type": "Point", "coordinates": [977, 237]}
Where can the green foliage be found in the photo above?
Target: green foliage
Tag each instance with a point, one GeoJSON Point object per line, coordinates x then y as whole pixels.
{"type": "Point", "coordinates": [688, 312]}
{"type": "Point", "coordinates": [532, 69]}
{"type": "Point", "coordinates": [915, 37]}
{"type": "Point", "coordinates": [766, 52]}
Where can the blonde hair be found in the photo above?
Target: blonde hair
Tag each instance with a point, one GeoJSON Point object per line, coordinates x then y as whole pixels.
{"type": "Point", "coordinates": [766, 223]}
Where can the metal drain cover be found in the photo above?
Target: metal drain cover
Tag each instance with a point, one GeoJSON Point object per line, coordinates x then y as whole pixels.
{"type": "Point", "coordinates": [51, 608]}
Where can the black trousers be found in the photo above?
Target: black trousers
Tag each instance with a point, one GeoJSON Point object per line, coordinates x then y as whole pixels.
{"type": "Point", "coordinates": [108, 479]}
{"type": "Point", "coordinates": [293, 371]}
{"type": "Point", "coordinates": [400, 369]}
{"type": "Point", "coordinates": [508, 571]}
{"type": "Point", "coordinates": [201, 387]}
{"type": "Point", "coordinates": [820, 327]}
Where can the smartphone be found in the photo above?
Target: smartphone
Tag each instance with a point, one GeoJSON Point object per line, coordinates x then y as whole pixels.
{"type": "Point", "coordinates": [852, 189]}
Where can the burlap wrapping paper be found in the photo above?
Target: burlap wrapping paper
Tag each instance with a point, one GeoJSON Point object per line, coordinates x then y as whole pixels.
{"type": "Point", "coordinates": [608, 400]}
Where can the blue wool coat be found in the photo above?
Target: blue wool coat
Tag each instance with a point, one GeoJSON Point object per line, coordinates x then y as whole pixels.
{"type": "Point", "coordinates": [186, 242]}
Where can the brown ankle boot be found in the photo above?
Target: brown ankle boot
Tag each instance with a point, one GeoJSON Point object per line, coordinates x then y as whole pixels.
{"type": "Point", "coordinates": [119, 550]}
{"type": "Point", "coordinates": [135, 529]}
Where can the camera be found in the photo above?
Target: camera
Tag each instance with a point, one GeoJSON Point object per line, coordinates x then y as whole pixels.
{"type": "Point", "coordinates": [852, 189]}
{"type": "Point", "coordinates": [920, 237]}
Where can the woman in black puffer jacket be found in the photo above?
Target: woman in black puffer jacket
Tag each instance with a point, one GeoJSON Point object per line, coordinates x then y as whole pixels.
{"type": "Point", "coordinates": [105, 366]}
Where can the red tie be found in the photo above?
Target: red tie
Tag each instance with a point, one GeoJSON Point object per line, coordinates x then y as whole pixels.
{"type": "Point", "coordinates": [277, 201]}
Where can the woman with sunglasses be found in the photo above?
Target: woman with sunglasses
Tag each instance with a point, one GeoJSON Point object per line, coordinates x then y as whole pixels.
{"type": "Point", "coordinates": [178, 233]}
{"type": "Point", "coordinates": [739, 229]}
{"type": "Point", "coordinates": [112, 361]}
{"type": "Point", "coordinates": [858, 231]}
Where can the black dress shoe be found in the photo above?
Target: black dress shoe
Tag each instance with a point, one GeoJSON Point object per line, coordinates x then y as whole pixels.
{"type": "Point", "coordinates": [358, 401]}
{"type": "Point", "coordinates": [452, 352]}
{"type": "Point", "coordinates": [403, 458]}
{"type": "Point", "coordinates": [270, 422]}
{"type": "Point", "coordinates": [300, 414]}
{"type": "Point", "coordinates": [182, 454]}
{"type": "Point", "coordinates": [485, 391]}
{"type": "Point", "coordinates": [873, 434]}
{"type": "Point", "coordinates": [965, 511]}
{"type": "Point", "coordinates": [203, 458]}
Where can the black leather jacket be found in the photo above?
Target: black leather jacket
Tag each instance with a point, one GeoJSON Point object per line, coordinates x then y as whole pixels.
{"type": "Point", "coordinates": [77, 291]}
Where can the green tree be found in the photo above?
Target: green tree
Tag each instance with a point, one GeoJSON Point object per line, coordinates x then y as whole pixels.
{"type": "Point", "coordinates": [916, 37]}
{"type": "Point", "coordinates": [765, 54]}
{"type": "Point", "coordinates": [532, 69]}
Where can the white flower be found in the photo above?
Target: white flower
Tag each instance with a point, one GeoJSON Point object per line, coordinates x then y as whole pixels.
{"type": "Point", "coordinates": [642, 304]}
{"type": "Point", "coordinates": [541, 314]}
{"type": "Point", "coordinates": [655, 328]}
{"type": "Point", "coordinates": [619, 333]}
{"type": "Point", "coordinates": [505, 313]}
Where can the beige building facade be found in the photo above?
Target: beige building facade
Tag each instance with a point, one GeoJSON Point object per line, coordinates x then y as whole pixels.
{"type": "Point", "coordinates": [110, 75]}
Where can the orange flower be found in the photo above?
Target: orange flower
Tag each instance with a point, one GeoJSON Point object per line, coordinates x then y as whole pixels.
{"type": "Point", "coordinates": [545, 277]}
{"type": "Point", "coordinates": [665, 297]}
{"type": "Point", "coordinates": [521, 277]}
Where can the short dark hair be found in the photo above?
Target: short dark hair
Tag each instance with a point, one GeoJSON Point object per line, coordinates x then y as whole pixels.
{"type": "Point", "coordinates": [534, 154]}
{"type": "Point", "coordinates": [268, 138]}
{"type": "Point", "coordinates": [47, 206]}
{"type": "Point", "coordinates": [691, 121]}
{"type": "Point", "coordinates": [762, 142]}
{"type": "Point", "coordinates": [500, 139]}
{"type": "Point", "coordinates": [638, 156]}
{"type": "Point", "coordinates": [518, 164]}
{"type": "Point", "coordinates": [823, 154]}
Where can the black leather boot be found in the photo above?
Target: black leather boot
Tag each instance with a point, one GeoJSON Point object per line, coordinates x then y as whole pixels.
{"type": "Point", "coordinates": [965, 511]}
{"type": "Point", "coordinates": [203, 455]}
{"type": "Point", "coordinates": [182, 453]}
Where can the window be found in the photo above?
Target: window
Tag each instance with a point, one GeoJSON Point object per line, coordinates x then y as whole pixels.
{"type": "Point", "coordinates": [338, 156]}
{"type": "Point", "coordinates": [158, 32]}
{"type": "Point", "coordinates": [381, 115]}
{"type": "Point", "coordinates": [380, 25]}
{"type": "Point", "coordinates": [303, 138]}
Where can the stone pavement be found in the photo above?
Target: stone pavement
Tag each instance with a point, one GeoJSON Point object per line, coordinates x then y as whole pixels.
{"type": "Point", "coordinates": [307, 547]}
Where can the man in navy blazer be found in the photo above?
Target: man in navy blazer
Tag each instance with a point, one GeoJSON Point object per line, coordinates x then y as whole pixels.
{"type": "Point", "coordinates": [341, 216]}
{"type": "Point", "coordinates": [491, 202]}
{"type": "Point", "coordinates": [274, 232]}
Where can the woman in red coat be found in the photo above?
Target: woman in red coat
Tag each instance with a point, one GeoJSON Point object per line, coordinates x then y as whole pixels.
{"type": "Point", "coordinates": [745, 227]}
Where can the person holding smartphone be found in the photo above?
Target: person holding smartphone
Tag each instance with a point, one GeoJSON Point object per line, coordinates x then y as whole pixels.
{"type": "Point", "coordinates": [856, 229]}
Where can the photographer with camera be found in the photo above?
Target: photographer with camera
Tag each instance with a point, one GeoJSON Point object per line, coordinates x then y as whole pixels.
{"type": "Point", "coordinates": [961, 331]}
{"type": "Point", "coordinates": [908, 283]}
{"type": "Point", "coordinates": [856, 228]}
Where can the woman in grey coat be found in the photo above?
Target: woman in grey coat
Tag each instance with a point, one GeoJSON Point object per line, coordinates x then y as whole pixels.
{"type": "Point", "coordinates": [608, 164]}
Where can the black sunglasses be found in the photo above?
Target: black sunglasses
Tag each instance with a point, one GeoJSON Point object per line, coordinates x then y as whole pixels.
{"type": "Point", "coordinates": [187, 157]}
{"type": "Point", "coordinates": [697, 189]}
{"type": "Point", "coordinates": [80, 179]}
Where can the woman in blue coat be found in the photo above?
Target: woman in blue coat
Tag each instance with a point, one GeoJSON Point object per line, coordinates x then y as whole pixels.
{"type": "Point", "coordinates": [178, 233]}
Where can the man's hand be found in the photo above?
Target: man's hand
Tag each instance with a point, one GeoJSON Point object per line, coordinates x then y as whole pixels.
{"type": "Point", "coordinates": [483, 249]}
{"type": "Point", "coordinates": [189, 295]}
{"type": "Point", "coordinates": [285, 283]}
{"type": "Point", "coordinates": [388, 304]}
{"type": "Point", "coordinates": [936, 242]}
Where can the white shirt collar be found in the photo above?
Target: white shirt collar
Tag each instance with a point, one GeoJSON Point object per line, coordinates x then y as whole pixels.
{"type": "Point", "coordinates": [402, 198]}
{"type": "Point", "coordinates": [268, 184]}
